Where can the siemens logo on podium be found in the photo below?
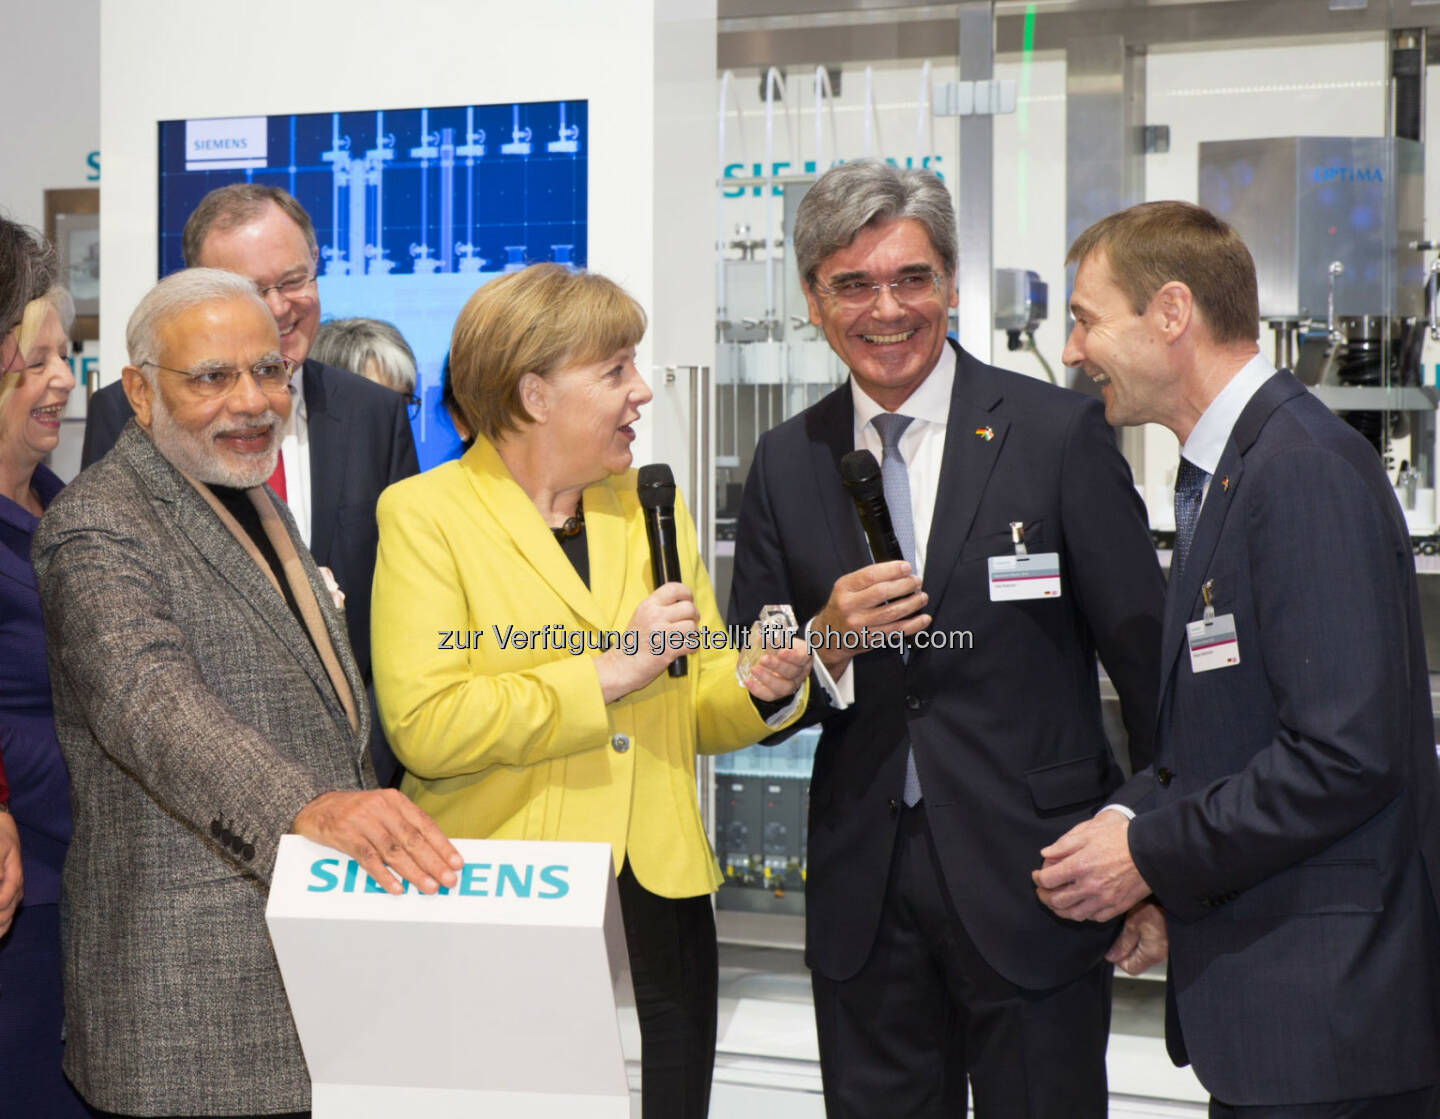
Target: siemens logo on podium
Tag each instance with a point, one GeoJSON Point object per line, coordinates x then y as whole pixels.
{"type": "Point", "coordinates": [482, 880]}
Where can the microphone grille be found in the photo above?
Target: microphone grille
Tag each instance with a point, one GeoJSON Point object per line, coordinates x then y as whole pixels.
{"type": "Point", "coordinates": [858, 468]}
{"type": "Point", "coordinates": [656, 486]}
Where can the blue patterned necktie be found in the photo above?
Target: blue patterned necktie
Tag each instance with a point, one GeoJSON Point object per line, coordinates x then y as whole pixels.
{"type": "Point", "coordinates": [896, 479]}
{"type": "Point", "coordinates": [1189, 489]}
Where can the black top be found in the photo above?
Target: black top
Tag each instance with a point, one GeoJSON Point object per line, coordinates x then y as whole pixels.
{"type": "Point", "coordinates": [575, 547]}
{"type": "Point", "coordinates": [243, 510]}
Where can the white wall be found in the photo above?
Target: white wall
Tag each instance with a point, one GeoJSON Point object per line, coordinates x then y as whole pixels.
{"type": "Point", "coordinates": [50, 122]}
{"type": "Point", "coordinates": [49, 127]}
{"type": "Point", "coordinates": [174, 59]}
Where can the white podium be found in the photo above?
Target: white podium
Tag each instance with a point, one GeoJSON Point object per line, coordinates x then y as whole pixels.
{"type": "Point", "coordinates": [496, 997]}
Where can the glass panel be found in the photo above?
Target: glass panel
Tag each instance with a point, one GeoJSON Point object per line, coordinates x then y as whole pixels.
{"type": "Point", "coordinates": [1283, 118]}
{"type": "Point", "coordinates": [771, 363]}
{"type": "Point", "coordinates": [1301, 124]}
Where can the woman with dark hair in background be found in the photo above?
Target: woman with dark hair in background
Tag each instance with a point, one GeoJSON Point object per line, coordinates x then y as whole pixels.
{"type": "Point", "coordinates": [35, 382]}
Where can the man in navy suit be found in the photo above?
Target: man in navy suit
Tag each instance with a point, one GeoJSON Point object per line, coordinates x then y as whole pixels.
{"type": "Point", "coordinates": [1288, 826]}
{"type": "Point", "coordinates": [349, 438]}
{"type": "Point", "coordinates": [940, 766]}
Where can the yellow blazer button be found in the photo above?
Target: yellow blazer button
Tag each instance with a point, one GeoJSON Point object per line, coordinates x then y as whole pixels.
{"type": "Point", "coordinates": [620, 743]}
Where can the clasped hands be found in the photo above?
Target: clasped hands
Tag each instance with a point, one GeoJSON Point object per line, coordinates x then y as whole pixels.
{"type": "Point", "coordinates": [1088, 875]}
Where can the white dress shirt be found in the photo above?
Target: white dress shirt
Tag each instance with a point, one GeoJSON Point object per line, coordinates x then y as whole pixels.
{"type": "Point", "coordinates": [1212, 430]}
{"type": "Point", "coordinates": [923, 447]}
{"type": "Point", "coordinates": [295, 449]}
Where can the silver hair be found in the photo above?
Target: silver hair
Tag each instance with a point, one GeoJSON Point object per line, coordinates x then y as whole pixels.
{"type": "Point", "coordinates": [850, 197]}
{"type": "Point", "coordinates": [64, 304]}
{"type": "Point", "coordinates": [177, 292]}
{"type": "Point", "coordinates": [350, 343]}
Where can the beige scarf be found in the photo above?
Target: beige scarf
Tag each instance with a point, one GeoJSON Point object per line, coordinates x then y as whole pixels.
{"type": "Point", "coordinates": [294, 575]}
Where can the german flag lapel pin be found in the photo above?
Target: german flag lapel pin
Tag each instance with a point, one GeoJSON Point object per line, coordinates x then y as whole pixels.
{"type": "Point", "coordinates": [1225, 483]}
{"type": "Point", "coordinates": [986, 433]}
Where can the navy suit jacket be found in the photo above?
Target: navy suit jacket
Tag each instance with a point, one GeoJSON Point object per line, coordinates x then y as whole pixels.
{"type": "Point", "coordinates": [360, 442]}
{"type": "Point", "coordinates": [1289, 823]}
{"type": "Point", "coordinates": [1007, 734]}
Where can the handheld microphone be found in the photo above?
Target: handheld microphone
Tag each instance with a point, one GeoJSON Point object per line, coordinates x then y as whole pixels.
{"type": "Point", "coordinates": [861, 474]}
{"type": "Point", "coordinates": [656, 489]}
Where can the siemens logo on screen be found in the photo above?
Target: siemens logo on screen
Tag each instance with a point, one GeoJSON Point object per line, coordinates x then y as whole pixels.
{"type": "Point", "coordinates": [222, 143]}
{"type": "Point", "coordinates": [481, 880]}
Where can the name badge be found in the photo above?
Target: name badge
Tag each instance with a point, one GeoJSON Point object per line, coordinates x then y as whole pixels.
{"type": "Point", "coordinates": [1033, 575]}
{"type": "Point", "coordinates": [1213, 643]}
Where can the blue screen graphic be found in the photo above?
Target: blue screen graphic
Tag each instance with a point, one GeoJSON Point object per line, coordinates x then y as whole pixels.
{"type": "Point", "coordinates": [413, 209]}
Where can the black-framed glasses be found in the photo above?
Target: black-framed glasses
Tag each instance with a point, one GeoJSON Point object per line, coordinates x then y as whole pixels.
{"type": "Point", "coordinates": [271, 374]}
{"type": "Point", "coordinates": [290, 288]}
{"type": "Point", "coordinates": [912, 287]}
{"type": "Point", "coordinates": [412, 405]}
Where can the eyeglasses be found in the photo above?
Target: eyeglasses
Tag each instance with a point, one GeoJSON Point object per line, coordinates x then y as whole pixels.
{"type": "Point", "coordinates": [913, 287]}
{"type": "Point", "coordinates": [290, 288]}
{"type": "Point", "coordinates": [412, 405]}
{"type": "Point", "coordinates": [271, 374]}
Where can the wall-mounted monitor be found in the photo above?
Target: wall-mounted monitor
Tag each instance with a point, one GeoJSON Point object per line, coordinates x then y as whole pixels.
{"type": "Point", "coordinates": [413, 208]}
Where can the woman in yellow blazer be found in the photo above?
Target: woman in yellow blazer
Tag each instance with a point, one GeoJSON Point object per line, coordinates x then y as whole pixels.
{"type": "Point", "coordinates": [500, 581]}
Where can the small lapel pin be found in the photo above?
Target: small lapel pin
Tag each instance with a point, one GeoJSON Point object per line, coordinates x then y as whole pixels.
{"type": "Point", "coordinates": [985, 433]}
{"type": "Point", "coordinates": [1225, 483]}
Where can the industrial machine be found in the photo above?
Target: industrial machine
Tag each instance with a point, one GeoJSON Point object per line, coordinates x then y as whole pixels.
{"type": "Point", "coordinates": [1334, 224]}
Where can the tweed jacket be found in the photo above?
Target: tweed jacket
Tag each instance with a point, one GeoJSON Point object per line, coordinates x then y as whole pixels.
{"type": "Point", "coordinates": [197, 719]}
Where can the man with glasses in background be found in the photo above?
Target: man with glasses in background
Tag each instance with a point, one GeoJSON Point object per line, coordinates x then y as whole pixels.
{"type": "Point", "coordinates": [971, 729]}
{"type": "Point", "coordinates": [207, 703]}
{"type": "Point", "coordinates": [348, 439]}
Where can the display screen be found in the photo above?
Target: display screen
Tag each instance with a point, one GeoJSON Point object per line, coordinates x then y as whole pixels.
{"type": "Point", "coordinates": [413, 209]}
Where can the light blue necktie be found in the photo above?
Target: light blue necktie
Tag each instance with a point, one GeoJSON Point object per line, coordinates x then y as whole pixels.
{"type": "Point", "coordinates": [1189, 490]}
{"type": "Point", "coordinates": [896, 480]}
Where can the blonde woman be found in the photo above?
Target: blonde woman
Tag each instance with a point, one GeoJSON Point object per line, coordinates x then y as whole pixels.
{"type": "Point", "coordinates": [581, 734]}
{"type": "Point", "coordinates": [35, 382]}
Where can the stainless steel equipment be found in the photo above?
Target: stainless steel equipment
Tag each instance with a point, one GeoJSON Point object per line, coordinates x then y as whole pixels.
{"type": "Point", "coordinates": [1334, 225]}
{"type": "Point", "coordinates": [1302, 203]}
{"type": "Point", "coordinates": [1022, 302]}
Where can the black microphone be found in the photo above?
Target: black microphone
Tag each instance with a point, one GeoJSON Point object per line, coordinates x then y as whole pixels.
{"type": "Point", "coordinates": [656, 488]}
{"type": "Point", "coordinates": [861, 474]}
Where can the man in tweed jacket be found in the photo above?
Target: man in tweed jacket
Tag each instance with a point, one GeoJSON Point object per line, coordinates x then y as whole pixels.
{"type": "Point", "coordinates": [206, 704]}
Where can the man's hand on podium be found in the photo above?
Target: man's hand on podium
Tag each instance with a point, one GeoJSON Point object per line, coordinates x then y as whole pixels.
{"type": "Point", "coordinates": [383, 831]}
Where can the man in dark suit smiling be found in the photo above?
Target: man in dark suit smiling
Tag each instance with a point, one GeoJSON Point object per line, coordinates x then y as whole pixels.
{"type": "Point", "coordinates": [348, 438]}
{"type": "Point", "coordinates": [1289, 825]}
{"type": "Point", "coordinates": [941, 765]}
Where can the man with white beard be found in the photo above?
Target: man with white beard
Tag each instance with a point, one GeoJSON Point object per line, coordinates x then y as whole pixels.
{"type": "Point", "coordinates": [207, 702]}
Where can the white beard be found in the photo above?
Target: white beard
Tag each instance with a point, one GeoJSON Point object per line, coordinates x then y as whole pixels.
{"type": "Point", "coordinates": [193, 453]}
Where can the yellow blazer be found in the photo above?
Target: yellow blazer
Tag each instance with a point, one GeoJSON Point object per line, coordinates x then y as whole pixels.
{"type": "Point", "coordinates": [507, 742]}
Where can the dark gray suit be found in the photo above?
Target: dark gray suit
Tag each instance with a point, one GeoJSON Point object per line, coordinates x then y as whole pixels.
{"type": "Point", "coordinates": [1289, 825]}
{"type": "Point", "coordinates": [197, 719]}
